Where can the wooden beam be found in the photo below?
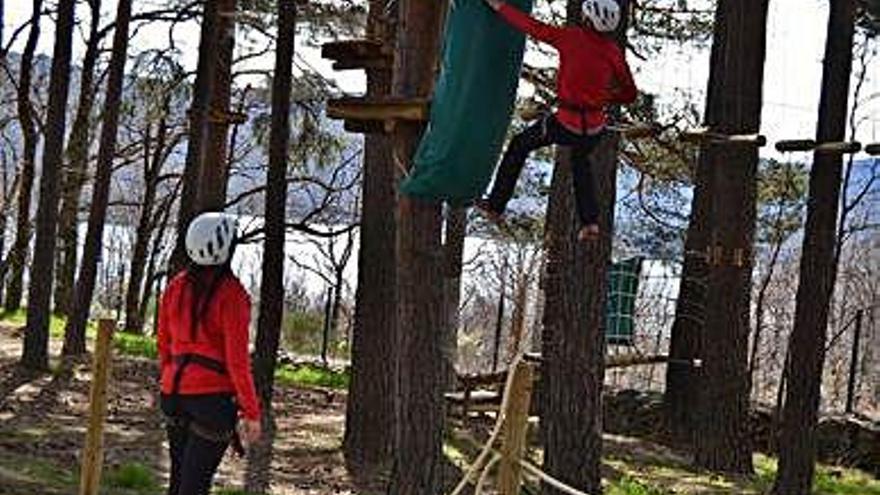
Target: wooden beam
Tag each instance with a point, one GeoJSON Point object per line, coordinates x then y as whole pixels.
{"type": "Point", "coordinates": [515, 429]}
{"type": "Point", "coordinates": [873, 149]}
{"type": "Point", "coordinates": [378, 109]}
{"type": "Point", "coordinates": [358, 54]}
{"type": "Point", "coordinates": [839, 147]}
{"type": "Point", "coordinates": [705, 135]}
{"type": "Point", "coordinates": [791, 145]}
{"type": "Point", "coordinates": [93, 451]}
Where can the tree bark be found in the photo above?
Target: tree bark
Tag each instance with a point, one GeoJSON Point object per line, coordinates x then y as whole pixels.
{"type": "Point", "coordinates": [35, 354]}
{"type": "Point", "coordinates": [74, 338]}
{"type": "Point", "coordinates": [272, 284]}
{"type": "Point", "coordinates": [818, 270]}
{"type": "Point", "coordinates": [214, 171]}
{"type": "Point", "coordinates": [198, 121]}
{"type": "Point", "coordinates": [369, 417]}
{"type": "Point", "coordinates": [73, 176]}
{"type": "Point", "coordinates": [686, 338]}
{"type": "Point", "coordinates": [18, 255]}
{"type": "Point", "coordinates": [722, 431]}
{"type": "Point", "coordinates": [419, 405]}
{"type": "Point", "coordinates": [453, 251]}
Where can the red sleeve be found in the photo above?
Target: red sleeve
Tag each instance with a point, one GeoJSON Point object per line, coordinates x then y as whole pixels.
{"type": "Point", "coordinates": [163, 335]}
{"type": "Point", "coordinates": [625, 91]}
{"type": "Point", "coordinates": [237, 316]}
{"type": "Point", "coordinates": [529, 25]}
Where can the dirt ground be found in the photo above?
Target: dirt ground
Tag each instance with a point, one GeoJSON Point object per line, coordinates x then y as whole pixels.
{"type": "Point", "coordinates": [43, 418]}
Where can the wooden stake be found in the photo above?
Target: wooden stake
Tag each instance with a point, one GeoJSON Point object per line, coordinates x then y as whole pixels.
{"type": "Point", "coordinates": [93, 451]}
{"type": "Point", "coordinates": [515, 430]}
{"type": "Point", "coordinates": [873, 149]}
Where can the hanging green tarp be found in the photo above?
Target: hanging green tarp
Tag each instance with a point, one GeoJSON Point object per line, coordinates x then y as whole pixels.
{"type": "Point", "coordinates": [623, 287]}
{"type": "Point", "coordinates": [472, 104]}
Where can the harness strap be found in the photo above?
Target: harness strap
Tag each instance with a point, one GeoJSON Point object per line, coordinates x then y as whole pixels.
{"type": "Point", "coordinates": [179, 421]}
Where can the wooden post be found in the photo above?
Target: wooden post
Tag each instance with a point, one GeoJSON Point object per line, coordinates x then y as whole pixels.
{"type": "Point", "coordinates": [854, 365]}
{"type": "Point", "coordinates": [516, 421]}
{"type": "Point", "coordinates": [93, 451]}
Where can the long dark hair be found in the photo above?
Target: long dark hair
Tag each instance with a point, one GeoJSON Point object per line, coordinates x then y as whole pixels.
{"type": "Point", "coordinates": [204, 281]}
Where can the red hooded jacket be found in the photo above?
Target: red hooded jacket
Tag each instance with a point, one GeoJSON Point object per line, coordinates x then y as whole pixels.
{"type": "Point", "coordinates": [592, 69]}
{"type": "Point", "coordinates": [222, 335]}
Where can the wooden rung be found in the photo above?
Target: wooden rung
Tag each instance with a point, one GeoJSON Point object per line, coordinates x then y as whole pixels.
{"type": "Point", "coordinates": [811, 145]}
{"type": "Point", "coordinates": [873, 149]}
{"type": "Point", "coordinates": [358, 54]}
{"type": "Point", "coordinates": [839, 147]}
{"type": "Point", "coordinates": [704, 135]}
{"type": "Point", "coordinates": [378, 109]}
{"type": "Point", "coordinates": [789, 145]}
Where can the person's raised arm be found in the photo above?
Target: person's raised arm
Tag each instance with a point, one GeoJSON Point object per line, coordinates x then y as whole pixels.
{"type": "Point", "coordinates": [526, 23]}
{"type": "Point", "coordinates": [624, 90]}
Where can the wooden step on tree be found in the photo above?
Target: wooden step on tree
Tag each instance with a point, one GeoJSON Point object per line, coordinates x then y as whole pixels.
{"type": "Point", "coordinates": [376, 114]}
{"type": "Point", "coordinates": [369, 115]}
{"type": "Point", "coordinates": [358, 54]}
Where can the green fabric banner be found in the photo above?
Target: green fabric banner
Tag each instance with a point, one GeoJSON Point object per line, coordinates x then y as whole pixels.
{"type": "Point", "coordinates": [472, 104]}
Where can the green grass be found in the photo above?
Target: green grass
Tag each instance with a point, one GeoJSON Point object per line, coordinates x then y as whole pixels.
{"type": "Point", "coordinates": [312, 375]}
{"type": "Point", "coordinates": [132, 476]}
{"type": "Point", "coordinates": [827, 481]}
{"type": "Point", "coordinates": [135, 345]}
{"type": "Point", "coordinates": [630, 486]}
{"type": "Point", "coordinates": [18, 318]}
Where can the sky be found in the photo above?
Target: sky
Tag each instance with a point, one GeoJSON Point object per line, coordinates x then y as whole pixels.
{"type": "Point", "coordinates": [796, 37]}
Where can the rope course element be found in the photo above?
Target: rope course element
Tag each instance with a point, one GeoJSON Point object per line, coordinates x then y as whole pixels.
{"type": "Point", "coordinates": [793, 145]}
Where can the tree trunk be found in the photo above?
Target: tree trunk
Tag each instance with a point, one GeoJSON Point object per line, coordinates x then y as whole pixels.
{"type": "Point", "coordinates": [73, 177]}
{"type": "Point", "coordinates": [723, 441]}
{"type": "Point", "coordinates": [18, 255]}
{"type": "Point", "coordinates": [74, 338]}
{"type": "Point", "coordinates": [214, 171]}
{"type": "Point", "coordinates": [453, 251]}
{"type": "Point", "coordinates": [35, 354]}
{"type": "Point", "coordinates": [680, 396]}
{"type": "Point", "coordinates": [419, 406]}
{"type": "Point", "coordinates": [818, 270]}
{"type": "Point", "coordinates": [272, 284]}
{"type": "Point", "coordinates": [573, 343]}
{"type": "Point", "coordinates": [134, 322]}
{"type": "Point", "coordinates": [198, 120]}
{"type": "Point", "coordinates": [369, 416]}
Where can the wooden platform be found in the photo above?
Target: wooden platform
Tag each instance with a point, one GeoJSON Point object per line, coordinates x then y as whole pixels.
{"type": "Point", "coordinates": [358, 54]}
{"type": "Point", "coordinates": [376, 114]}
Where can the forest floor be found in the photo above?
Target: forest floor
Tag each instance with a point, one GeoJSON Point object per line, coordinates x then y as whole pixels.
{"type": "Point", "coordinates": [42, 426]}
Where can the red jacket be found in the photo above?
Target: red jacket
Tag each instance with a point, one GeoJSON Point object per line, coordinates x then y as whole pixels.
{"type": "Point", "coordinates": [592, 69]}
{"type": "Point", "coordinates": [222, 335]}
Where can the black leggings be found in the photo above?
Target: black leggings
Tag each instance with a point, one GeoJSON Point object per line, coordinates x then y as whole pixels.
{"type": "Point", "coordinates": [199, 427]}
{"type": "Point", "coordinates": [543, 133]}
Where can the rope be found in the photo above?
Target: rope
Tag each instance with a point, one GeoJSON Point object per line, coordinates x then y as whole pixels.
{"type": "Point", "coordinates": [479, 488]}
{"type": "Point", "coordinates": [496, 430]}
{"type": "Point", "coordinates": [531, 468]}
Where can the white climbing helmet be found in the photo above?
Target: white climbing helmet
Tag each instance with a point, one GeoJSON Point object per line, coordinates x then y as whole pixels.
{"type": "Point", "coordinates": [210, 238]}
{"type": "Point", "coordinates": [605, 14]}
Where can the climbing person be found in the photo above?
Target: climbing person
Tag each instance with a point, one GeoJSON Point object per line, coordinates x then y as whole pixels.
{"type": "Point", "coordinates": [206, 379]}
{"type": "Point", "coordinates": [592, 73]}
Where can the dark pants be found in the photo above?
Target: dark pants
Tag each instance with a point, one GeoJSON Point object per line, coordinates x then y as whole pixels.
{"type": "Point", "coordinates": [199, 428]}
{"type": "Point", "coordinates": [543, 133]}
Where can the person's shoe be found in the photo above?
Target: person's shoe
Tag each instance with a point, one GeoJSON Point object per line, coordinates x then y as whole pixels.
{"type": "Point", "coordinates": [589, 233]}
{"type": "Point", "coordinates": [488, 213]}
